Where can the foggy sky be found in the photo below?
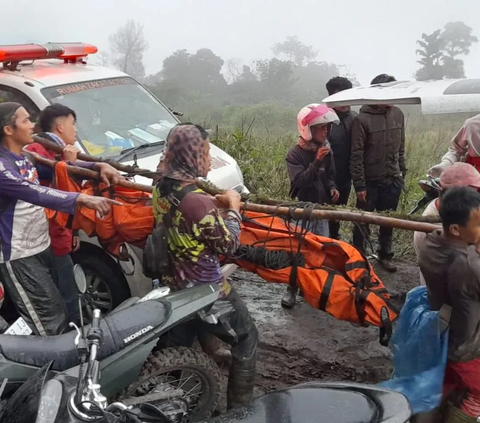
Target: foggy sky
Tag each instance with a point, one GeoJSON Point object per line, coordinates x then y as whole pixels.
{"type": "Point", "coordinates": [367, 36]}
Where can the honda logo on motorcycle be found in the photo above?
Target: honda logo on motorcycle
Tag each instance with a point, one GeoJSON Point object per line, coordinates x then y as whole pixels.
{"type": "Point", "coordinates": [137, 334]}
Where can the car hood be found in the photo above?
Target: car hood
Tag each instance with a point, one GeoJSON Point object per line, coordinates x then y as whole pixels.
{"type": "Point", "coordinates": [224, 173]}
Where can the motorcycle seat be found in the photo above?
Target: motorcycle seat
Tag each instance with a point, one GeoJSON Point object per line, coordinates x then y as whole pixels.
{"type": "Point", "coordinates": [119, 329]}
{"type": "Point", "coordinates": [323, 403]}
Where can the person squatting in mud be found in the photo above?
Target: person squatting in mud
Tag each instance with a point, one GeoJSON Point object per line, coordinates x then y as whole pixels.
{"type": "Point", "coordinates": [456, 175]}
{"type": "Point", "coordinates": [311, 169]}
{"type": "Point", "coordinates": [448, 260]}
{"type": "Point", "coordinates": [340, 139]}
{"type": "Point", "coordinates": [197, 236]}
{"type": "Point", "coordinates": [25, 252]}
{"type": "Point", "coordinates": [378, 169]}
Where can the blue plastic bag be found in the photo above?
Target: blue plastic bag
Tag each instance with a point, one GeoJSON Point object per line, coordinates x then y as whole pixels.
{"type": "Point", "coordinates": [419, 353]}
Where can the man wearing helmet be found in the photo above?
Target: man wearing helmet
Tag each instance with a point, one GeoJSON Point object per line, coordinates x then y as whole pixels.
{"type": "Point", "coordinates": [312, 170]}
{"type": "Point", "coordinates": [377, 165]}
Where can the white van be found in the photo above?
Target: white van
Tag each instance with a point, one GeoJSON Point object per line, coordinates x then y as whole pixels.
{"type": "Point", "coordinates": [435, 97]}
{"type": "Point", "coordinates": [115, 114]}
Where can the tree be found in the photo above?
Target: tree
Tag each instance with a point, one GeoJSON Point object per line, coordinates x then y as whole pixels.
{"type": "Point", "coordinates": [247, 75]}
{"type": "Point", "coordinates": [294, 51]}
{"type": "Point", "coordinates": [311, 80]}
{"type": "Point", "coordinates": [233, 70]}
{"type": "Point", "coordinates": [439, 52]}
{"type": "Point", "coordinates": [103, 58]}
{"type": "Point", "coordinates": [276, 74]}
{"type": "Point", "coordinates": [431, 56]}
{"type": "Point", "coordinates": [195, 72]}
{"type": "Point", "coordinates": [128, 45]}
{"type": "Point", "coordinates": [207, 67]}
{"type": "Point", "coordinates": [458, 40]}
{"type": "Point", "coordinates": [176, 67]}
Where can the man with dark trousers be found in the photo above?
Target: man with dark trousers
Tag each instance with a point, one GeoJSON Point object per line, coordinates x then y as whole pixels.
{"type": "Point", "coordinates": [377, 165]}
{"type": "Point", "coordinates": [340, 139]}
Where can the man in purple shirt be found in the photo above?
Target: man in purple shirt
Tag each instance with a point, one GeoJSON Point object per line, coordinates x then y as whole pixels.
{"type": "Point", "coordinates": [25, 254]}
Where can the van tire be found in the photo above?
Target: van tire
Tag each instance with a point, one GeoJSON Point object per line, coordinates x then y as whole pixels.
{"type": "Point", "coordinates": [94, 260]}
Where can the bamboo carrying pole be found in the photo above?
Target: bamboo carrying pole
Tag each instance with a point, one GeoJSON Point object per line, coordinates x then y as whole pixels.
{"type": "Point", "coordinates": [131, 170]}
{"type": "Point", "coordinates": [208, 187]}
{"type": "Point", "coordinates": [86, 173]}
{"type": "Point", "coordinates": [359, 217]}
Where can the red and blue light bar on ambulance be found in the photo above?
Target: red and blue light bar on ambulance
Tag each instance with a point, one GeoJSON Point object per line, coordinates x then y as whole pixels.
{"type": "Point", "coordinates": [64, 51]}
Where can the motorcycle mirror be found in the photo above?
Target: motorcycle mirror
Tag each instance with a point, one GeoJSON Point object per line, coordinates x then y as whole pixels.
{"type": "Point", "coordinates": [80, 278]}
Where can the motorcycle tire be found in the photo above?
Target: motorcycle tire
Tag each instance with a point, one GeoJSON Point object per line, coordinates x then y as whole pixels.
{"type": "Point", "coordinates": [173, 359]}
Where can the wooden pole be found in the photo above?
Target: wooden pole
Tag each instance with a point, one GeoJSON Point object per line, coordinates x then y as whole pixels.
{"type": "Point", "coordinates": [87, 173]}
{"type": "Point", "coordinates": [349, 216]}
{"type": "Point", "coordinates": [359, 217]}
{"type": "Point", "coordinates": [213, 190]}
{"type": "Point", "coordinates": [132, 170]}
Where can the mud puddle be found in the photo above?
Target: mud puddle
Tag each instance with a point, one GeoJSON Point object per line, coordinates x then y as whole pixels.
{"type": "Point", "coordinates": [304, 344]}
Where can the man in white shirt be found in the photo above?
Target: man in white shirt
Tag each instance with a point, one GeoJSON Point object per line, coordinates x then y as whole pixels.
{"type": "Point", "coordinates": [457, 175]}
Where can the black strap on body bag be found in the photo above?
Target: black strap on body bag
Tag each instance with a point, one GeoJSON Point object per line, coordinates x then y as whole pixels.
{"type": "Point", "coordinates": [156, 257]}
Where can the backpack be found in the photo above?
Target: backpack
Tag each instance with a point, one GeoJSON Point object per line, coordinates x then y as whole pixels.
{"type": "Point", "coordinates": [156, 257]}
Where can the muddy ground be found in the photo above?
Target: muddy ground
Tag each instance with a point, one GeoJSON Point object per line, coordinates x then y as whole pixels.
{"type": "Point", "coordinates": [304, 344]}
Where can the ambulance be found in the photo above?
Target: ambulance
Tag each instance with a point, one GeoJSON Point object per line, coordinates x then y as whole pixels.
{"type": "Point", "coordinates": [117, 118]}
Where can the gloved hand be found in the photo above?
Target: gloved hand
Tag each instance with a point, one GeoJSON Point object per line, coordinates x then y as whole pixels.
{"type": "Point", "coordinates": [436, 171]}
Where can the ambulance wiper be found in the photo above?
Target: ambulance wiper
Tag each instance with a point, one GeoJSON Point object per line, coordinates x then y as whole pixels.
{"type": "Point", "coordinates": [129, 151]}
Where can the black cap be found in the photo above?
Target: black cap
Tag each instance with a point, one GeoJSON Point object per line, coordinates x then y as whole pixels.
{"type": "Point", "coordinates": [7, 110]}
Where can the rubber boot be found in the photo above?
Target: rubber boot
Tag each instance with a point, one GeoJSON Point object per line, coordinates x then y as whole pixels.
{"type": "Point", "coordinates": [212, 346]}
{"type": "Point", "coordinates": [241, 381]}
{"type": "Point", "coordinates": [290, 297]}
{"type": "Point", "coordinates": [388, 265]}
{"type": "Point", "coordinates": [455, 415]}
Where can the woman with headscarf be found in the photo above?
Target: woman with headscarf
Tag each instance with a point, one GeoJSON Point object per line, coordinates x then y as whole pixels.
{"type": "Point", "coordinates": [197, 236]}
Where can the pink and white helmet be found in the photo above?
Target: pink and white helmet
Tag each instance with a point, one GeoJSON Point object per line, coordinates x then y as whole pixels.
{"type": "Point", "coordinates": [314, 114]}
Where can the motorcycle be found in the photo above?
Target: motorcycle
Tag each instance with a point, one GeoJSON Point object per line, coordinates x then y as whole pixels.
{"type": "Point", "coordinates": [133, 368]}
{"type": "Point", "coordinates": [74, 396]}
{"type": "Point", "coordinates": [323, 403]}
{"type": "Point", "coordinates": [431, 188]}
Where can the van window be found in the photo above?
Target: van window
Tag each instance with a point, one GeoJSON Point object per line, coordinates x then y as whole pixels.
{"type": "Point", "coordinates": [8, 94]}
{"type": "Point", "coordinates": [114, 114]}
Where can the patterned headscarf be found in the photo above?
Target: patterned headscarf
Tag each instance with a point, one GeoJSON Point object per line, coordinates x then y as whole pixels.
{"type": "Point", "coordinates": [187, 155]}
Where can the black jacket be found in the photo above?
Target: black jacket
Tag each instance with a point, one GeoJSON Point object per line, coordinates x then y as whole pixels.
{"type": "Point", "coordinates": [378, 145]}
{"type": "Point", "coordinates": [310, 180]}
{"type": "Point", "coordinates": [340, 139]}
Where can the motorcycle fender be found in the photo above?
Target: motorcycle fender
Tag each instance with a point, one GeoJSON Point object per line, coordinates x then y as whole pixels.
{"type": "Point", "coordinates": [123, 368]}
{"type": "Point", "coordinates": [187, 303]}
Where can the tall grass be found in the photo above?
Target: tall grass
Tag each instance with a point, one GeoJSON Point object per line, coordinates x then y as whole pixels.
{"type": "Point", "coordinates": [261, 151]}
